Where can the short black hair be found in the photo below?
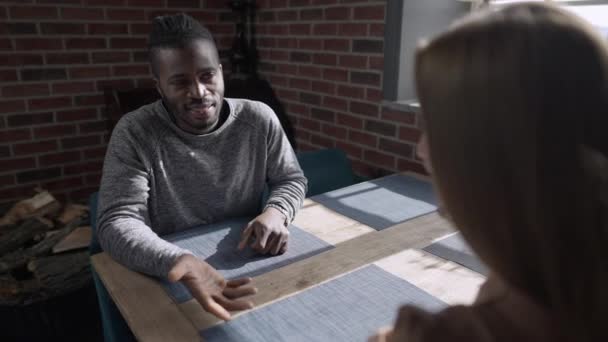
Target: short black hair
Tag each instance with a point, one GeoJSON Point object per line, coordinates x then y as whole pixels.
{"type": "Point", "coordinates": [174, 32]}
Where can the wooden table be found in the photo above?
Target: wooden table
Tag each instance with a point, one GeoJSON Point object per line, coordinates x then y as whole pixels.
{"type": "Point", "coordinates": [153, 316]}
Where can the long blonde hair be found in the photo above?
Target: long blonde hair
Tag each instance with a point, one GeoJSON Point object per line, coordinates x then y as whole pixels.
{"type": "Point", "coordinates": [515, 103]}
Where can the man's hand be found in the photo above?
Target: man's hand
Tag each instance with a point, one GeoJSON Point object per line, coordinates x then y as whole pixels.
{"type": "Point", "coordinates": [268, 229]}
{"type": "Point", "coordinates": [211, 290]}
{"type": "Point", "coordinates": [383, 335]}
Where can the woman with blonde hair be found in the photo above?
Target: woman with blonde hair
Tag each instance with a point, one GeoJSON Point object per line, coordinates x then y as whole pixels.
{"type": "Point", "coordinates": [515, 105]}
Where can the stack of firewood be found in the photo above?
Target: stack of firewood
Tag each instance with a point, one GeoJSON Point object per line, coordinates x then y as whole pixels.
{"type": "Point", "coordinates": [43, 249]}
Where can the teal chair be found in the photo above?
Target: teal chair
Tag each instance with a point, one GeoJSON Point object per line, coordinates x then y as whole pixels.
{"type": "Point", "coordinates": [326, 170]}
{"type": "Point", "coordinates": [115, 329]}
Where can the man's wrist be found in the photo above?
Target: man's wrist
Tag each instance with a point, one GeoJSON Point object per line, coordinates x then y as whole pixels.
{"type": "Point", "coordinates": [280, 212]}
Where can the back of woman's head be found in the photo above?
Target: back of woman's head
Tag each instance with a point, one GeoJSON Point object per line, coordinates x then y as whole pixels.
{"type": "Point", "coordinates": [515, 104]}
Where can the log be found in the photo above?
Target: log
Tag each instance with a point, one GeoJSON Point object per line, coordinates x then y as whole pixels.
{"type": "Point", "coordinates": [14, 292]}
{"type": "Point", "coordinates": [72, 211]}
{"type": "Point", "coordinates": [79, 238]}
{"type": "Point", "coordinates": [39, 205]}
{"type": "Point", "coordinates": [59, 274]}
{"type": "Point", "coordinates": [19, 258]}
{"type": "Point", "coordinates": [17, 237]}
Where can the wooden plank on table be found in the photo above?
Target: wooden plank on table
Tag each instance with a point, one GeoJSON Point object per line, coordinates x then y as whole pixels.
{"type": "Point", "coordinates": [150, 313]}
{"type": "Point", "coordinates": [444, 279]}
{"type": "Point", "coordinates": [328, 225]}
{"type": "Point", "coordinates": [79, 238]}
{"type": "Point", "coordinates": [345, 257]}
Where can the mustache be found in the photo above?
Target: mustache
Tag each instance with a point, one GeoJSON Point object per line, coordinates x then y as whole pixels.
{"type": "Point", "coordinates": [203, 103]}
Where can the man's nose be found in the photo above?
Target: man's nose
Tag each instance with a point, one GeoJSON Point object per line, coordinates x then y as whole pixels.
{"type": "Point", "coordinates": [197, 90]}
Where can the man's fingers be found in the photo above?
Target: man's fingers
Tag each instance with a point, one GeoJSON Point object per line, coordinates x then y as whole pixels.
{"type": "Point", "coordinates": [238, 292]}
{"type": "Point", "coordinates": [245, 236]}
{"type": "Point", "coordinates": [262, 236]}
{"type": "Point", "coordinates": [238, 282]}
{"type": "Point", "coordinates": [276, 249]}
{"type": "Point", "coordinates": [216, 309]}
{"type": "Point", "coordinates": [272, 241]}
{"type": "Point", "coordinates": [284, 247]}
{"type": "Point", "coordinates": [233, 304]}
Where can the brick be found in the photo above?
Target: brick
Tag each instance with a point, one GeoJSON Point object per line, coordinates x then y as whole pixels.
{"type": "Point", "coordinates": [67, 58]}
{"type": "Point", "coordinates": [88, 166]}
{"type": "Point", "coordinates": [267, 16]}
{"type": "Point", "coordinates": [19, 120]}
{"type": "Point", "coordinates": [297, 108]}
{"type": "Point", "coordinates": [367, 78]}
{"type": "Point", "coordinates": [126, 83]}
{"type": "Point", "coordinates": [5, 152]}
{"type": "Point", "coordinates": [364, 108]}
{"type": "Point", "coordinates": [309, 71]}
{"type": "Point", "coordinates": [368, 46]}
{"type": "Point", "coordinates": [95, 153]}
{"type": "Point", "coordinates": [140, 56]}
{"type": "Point", "coordinates": [38, 175]}
{"type": "Point", "coordinates": [373, 95]}
{"type": "Point", "coordinates": [325, 59]}
{"type": "Point", "coordinates": [89, 100]}
{"type": "Point", "coordinates": [11, 106]}
{"type": "Point", "coordinates": [128, 43]}
{"type": "Point", "coordinates": [20, 59]}
{"type": "Point", "coordinates": [335, 103]}
{"type": "Point", "coordinates": [322, 141]}
{"type": "Point", "coordinates": [17, 193]}
{"type": "Point", "coordinates": [287, 94]}
{"type": "Point", "coordinates": [21, 28]}
{"type": "Point", "coordinates": [78, 142]}
{"type": "Point", "coordinates": [379, 127]}
{"type": "Point", "coordinates": [6, 44]}
{"type": "Point", "coordinates": [17, 164]}
{"type": "Point", "coordinates": [337, 13]}
{"type": "Point", "coordinates": [376, 63]}
{"type": "Point", "coordinates": [111, 57]}
{"type": "Point", "coordinates": [325, 29]}
{"type": "Point", "coordinates": [314, 14]}
{"type": "Point", "coordinates": [62, 28]}
{"type": "Point", "coordinates": [2, 12]}
{"type": "Point", "coordinates": [126, 14]}
{"type": "Point", "coordinates": [299, 83]}
{"type": "Point", "coordinates": [22, 90]}
{"type": "Point", "coordinates": [379, 159]}
{"type": "Point", "coordinates": [409, 134]}
{"type": "Point", "coordinates": [146, 3]}
{"type": "Point", "coordinates": [12, 135]}
{"type": "Point", "coordinates": [408, 165]}
{"type": "Point", "coordinates": [50, 103]}
{"type": "Point", "coordinates": [300, 57]}
{"type": "Point", "coordinates": [349, 91]}
{"type": "Point", "coordinates": [309, 98]}
{"type": "Point", "coordinates": [33, 12]}
{"type": "Point", "coordinates": [54, 131]}
{"type": "Point", "coordinates": [89, 72]}
{"type": "Point", "coordinates": [38, 44]}
{"type": "Point", "coordinates": [297, 29]}
{"type": "Point", "coordinates": [219, 29]}
{"type": "Point", "coordinates": [399, 116]}
{"type": "Point", "coordinates": [184, 3]}
{"type": "Point", "coordinates": [287, 69]}
{"type": "Point", "coordinates": [352, 29]}
{"type": "Point", "coordinates": [277, 3]}
{"type": "Point", "coordinates": [322, 114]}
{"type": "Point", "coordinates": [336, 44]}
{"type": "Point", "coordinates": [130, 70]}
{"type": "Point", "coordinates": [362, 138]}
{"type": "Point", "coordinates": [398, 148]}
{"type": "Point", "coordinates": [145, 83]}
{"type": "Point", "coordinates": [105, 2]}
{"type": "Point", "coordinates": [289, 15]}
{"type": "Point", "coordinates": [376, 30]}
{"type": "Point", "coordinates": [93, 179]}
{"type": "Point", "coordinates": [82, 194]}
{"type": "Point", "coordinates": [35, 147]}
{"type": "Point", "coordinates": [310, 44]}
{"type": "Point", "coordinates": [334, 131]}
{"type": "Point", "coordinates": [7, 180]}
{"type": "Point", "coordinates": [142, 28]}
{"type": "Point", "coordinates": [77, 115]}
{"type": "Point", "coordinates": [82, 13]}
{"type": "Point", "coordinates": [350, 149]}
{"type": "Point", "coordinates": [349, 120]}
{"type": "Point", "coordinates": [335, 74]}
{"type": "Point", "coordinates": [298, 3]}
{"type": "Point", "coordinates": [43, 74]}
{"type": "Point", "coordinates": [59, 2]}
{"type": "Point", "coordinates": [107, 29]}
{"type": "Point", "coordinates": [85, 43]}
{"type": "Point", "coordinates": [93, 127]}
{"type": "Point", "coordinates": [324, 87]}
{"type": "Point", "coordinates": [369, 13]}
{"type": "Point", "coordinates": [350, 61]}
{"type": "Point", "coordinates": [63, 183]}
{"type": "Point", "coordinates": [309, 124]}
{"type": "Point", "coordinates": [73, 87]}
{"type": "Point", "coordinates": [8, 75]}
{"type": "Point", "coordinates": [59, 158]}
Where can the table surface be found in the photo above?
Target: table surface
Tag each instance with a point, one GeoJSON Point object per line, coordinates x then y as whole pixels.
{"type": "Point", "coordinates": [153, 316]}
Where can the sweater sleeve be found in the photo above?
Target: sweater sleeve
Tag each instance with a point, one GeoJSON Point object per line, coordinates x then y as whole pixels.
{"type": "Point", "coordinates": [286, 180]}
{"type": "Point", "coordinates": [124, 229]}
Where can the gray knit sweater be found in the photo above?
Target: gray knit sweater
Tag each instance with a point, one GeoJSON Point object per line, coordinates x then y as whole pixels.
{"type": "Point", "coordinates": [158, 179]}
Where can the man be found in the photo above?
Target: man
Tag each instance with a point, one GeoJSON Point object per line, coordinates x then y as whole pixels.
{"type": "Point", "coordinates": [195, 158]}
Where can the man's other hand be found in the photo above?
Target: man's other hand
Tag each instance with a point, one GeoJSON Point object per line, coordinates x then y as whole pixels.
{"type": "Point", "coordinates": [211, 290]}
{"type": "Point", "coordinates": [267, 232]}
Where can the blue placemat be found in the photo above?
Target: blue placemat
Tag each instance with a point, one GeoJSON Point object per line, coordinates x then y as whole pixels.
{"type": "Point", "coordinates": [217, 245]}
{"type": "Point", "coordinates": [383, 202]}
{"type": "Point", "coordinates": [349, 308]}
{"type": "Point", "coordinates": [455, 249]}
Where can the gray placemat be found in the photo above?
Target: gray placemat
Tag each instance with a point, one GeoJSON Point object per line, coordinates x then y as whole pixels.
{"type": "Point", "coordinates": [217, 245]}
{"type": "Point", "coordinates": [383, 202]}
{"type": "Point", "coordinates": [349, 308]}
{"type": "Point", "coordinates": [455, 249]}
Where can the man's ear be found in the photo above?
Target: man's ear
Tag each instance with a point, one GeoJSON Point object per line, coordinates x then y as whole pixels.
{"type": "Point", "coordinates": [221, 69]}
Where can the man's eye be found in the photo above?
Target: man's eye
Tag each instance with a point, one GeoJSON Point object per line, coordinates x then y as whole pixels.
{"type": "Point", "coordinates": [207, 76]}
{"type": "Point", "coordinates": [180, 83]}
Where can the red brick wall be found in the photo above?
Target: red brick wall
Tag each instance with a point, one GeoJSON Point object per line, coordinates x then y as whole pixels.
{"type": "Point", "coordinates": [55, 59]}
{"type": "Point", "coordinates": [324, 59]}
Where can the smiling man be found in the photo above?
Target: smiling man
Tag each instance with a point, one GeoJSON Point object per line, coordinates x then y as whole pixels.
{"type": "Point", "coordinates": [195, 158]}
